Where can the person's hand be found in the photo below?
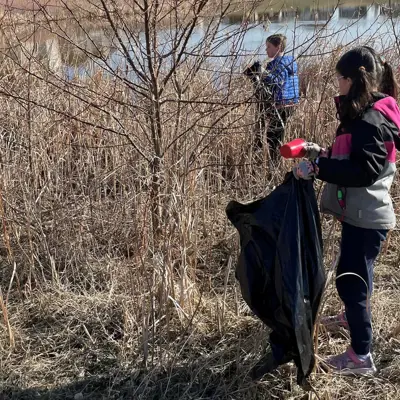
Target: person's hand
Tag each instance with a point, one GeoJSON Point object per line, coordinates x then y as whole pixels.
{"type": "Point", "coordinates": [305, 170]}
{"type": "Point", "coordinates": [313, 150]}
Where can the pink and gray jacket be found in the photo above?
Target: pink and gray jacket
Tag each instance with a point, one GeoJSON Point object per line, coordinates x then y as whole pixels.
{"type": "Point", "coordinates": [360, 169]}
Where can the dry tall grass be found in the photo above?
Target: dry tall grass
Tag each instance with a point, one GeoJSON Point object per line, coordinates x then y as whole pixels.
{"type": "Point", "coordinates": [117, 278]}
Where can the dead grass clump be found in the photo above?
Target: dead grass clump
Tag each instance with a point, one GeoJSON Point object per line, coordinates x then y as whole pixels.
{"type": "Point", "coordinates": [63, 335]}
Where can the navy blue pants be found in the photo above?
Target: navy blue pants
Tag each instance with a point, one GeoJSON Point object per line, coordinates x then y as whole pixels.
{"type": "Point", "coordinates": [359, 250]}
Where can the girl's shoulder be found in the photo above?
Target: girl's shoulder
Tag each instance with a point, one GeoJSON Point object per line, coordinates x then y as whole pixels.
{"type": "Point", "coordinates": [359, 126]}
{"type": "Point", "coordinates": [369, 116]}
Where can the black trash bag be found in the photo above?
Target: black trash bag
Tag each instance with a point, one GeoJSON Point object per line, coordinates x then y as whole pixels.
{"type": "Point", "coordinates": [280, 267]}
{"type": "Point", "coordinates": [253, 71]}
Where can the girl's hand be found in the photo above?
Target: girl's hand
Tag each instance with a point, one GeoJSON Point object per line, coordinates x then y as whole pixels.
{"type": "Point", "coordinates": [313, 151]}
{"type": "Point", "coordinates": [305, 170]}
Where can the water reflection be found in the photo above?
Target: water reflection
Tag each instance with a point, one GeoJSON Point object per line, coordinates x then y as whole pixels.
{"type": "Point", "coordinates": [330, 24]}
{"type": "Point", "coordinates": [315, 14]}
{"type": "Point", "coordinates": [315, 29]}
{"type": "Point", "coordinates": [71, 47]}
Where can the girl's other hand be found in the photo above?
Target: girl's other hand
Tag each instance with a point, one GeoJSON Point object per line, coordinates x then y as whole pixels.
{"type": "Point", "coordinates": [305, 170]}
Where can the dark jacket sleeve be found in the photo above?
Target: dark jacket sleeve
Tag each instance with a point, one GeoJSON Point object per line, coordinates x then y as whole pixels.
{"type": "Point", "coordinates": [367, 159]}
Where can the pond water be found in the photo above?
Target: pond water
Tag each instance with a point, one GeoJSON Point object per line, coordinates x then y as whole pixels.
{"type": "Point", "coordinates": [312, 28]}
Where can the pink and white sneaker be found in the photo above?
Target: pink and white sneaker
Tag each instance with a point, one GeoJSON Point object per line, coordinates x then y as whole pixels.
{"type": "Point", "coordinates": [335, 322]}
{"type": "Point", "coordinates": [349, 363]}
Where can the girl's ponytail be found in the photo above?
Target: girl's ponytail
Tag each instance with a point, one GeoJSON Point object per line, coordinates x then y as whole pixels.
{"type": "Point", "coordinates": [389, 84]}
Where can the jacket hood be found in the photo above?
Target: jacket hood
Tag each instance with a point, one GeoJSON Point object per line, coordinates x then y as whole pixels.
{"type": "Point", "coordinates": [386, 105]}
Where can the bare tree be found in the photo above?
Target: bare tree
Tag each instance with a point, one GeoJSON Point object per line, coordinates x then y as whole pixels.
{"type": "Point", "coordinates": [115, 103]}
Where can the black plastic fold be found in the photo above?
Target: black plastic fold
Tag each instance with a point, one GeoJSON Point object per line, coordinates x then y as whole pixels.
{"type": "Point", "coordinates": [280, 267]}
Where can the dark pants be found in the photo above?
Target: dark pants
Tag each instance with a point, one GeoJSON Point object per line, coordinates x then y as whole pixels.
{"type": "Point", "coordinates": [272, 122]}
{"type": "Point", "coordinates": [359, 250]}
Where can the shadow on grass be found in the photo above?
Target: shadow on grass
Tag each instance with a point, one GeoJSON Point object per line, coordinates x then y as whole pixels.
{"type": "Point", "coordinates": [177, 384]}
{"type": "Point", "coordinates": [206, 379]}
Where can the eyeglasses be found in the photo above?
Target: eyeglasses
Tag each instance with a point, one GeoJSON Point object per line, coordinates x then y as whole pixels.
{"type": "Point", "coordinates": [338, 78]}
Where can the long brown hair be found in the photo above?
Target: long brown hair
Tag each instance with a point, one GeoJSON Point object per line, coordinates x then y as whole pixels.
{"type": "Point", "coordinates": [368, 73]}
